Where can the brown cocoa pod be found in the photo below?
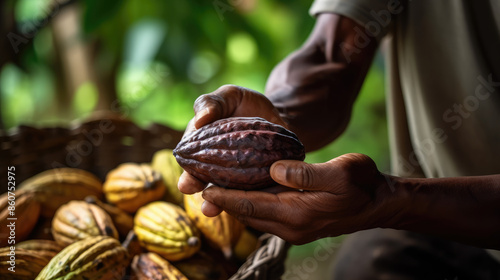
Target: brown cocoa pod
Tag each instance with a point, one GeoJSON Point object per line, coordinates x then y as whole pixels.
{"type": "Point", "coordinates": [237, 152]}
{"type": "Point", "coordinates": [24, 264]}
{"type": "Point", "coordinates": [77, 220]}
{"type": "Point", "coordinates": [132, 244]}
{"type": "Point", "coordinates": [148, 266]}
{"type": "Point", "coordinates": [17, 222]}
{"type": "Point", "coordinates": [55, 187]}
{"type": "Point", "coordinates": [123, 221]}
{"type": "Point", "coordinates": [46, 248]}
{"type": "Point", "coordinates": [203, 266]}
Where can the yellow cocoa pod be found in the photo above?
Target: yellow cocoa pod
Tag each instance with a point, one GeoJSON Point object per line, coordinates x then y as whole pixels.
{"type": "Point", "coordinates": [99, 257]}
{"type": "Point", "coordinates": [165, 228]}
{"type": "Point", "coordinates": [133, 185]}
{"type": "Point", "coordinates": [78, 220]}
{"type": "Point", "coordinates": [27, 263]}
{"type": "Point", "coordinates": [123, 221]}
{"type": "Point", "coordinates": [165, 163]}
{"type": "Point", "coordinates": [19, 212]}
{"type": "Point", "coordinates": [46, 248]}
{"type": "Point", "coordinates": [148, 266]}
{"type": "Point", "coordinates": [223, 230]}
{"type": "Point", "coordinates": [55, 187]}
{"type": "Point", "coordinates": [246, 245]}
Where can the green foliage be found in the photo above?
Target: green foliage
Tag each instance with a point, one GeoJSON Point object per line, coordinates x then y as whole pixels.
{"type": "Point", "coordinates": [98, 12]}
{"type": "Point", "coordinates": [168, 53]}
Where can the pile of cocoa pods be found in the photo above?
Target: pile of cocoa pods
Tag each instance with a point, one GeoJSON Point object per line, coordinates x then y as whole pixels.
{"type": "Point", "coordinates": [137, 224]}
{"type": "Point", "coordinates": [134, 225]}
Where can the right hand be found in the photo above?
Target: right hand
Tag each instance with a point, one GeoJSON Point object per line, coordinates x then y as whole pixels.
{"type": "Point", "coordinates": [227, 101]}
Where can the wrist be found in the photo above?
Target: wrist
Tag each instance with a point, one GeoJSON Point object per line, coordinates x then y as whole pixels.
{"type": "Point", "coordinates": [393, 200]}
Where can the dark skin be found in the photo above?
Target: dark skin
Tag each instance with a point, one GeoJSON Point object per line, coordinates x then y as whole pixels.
{"type": "Point", "coordinates": [318, 85]}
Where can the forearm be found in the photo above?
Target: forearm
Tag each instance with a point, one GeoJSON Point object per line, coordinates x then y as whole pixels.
{"type": "Point", "coordinates": [318, 84]}
{"type": "Point", "coordinates": [465, 209]}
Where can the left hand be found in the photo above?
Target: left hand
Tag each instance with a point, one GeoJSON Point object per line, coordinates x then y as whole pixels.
{"type": "Point", "coordinates": [328, 199]}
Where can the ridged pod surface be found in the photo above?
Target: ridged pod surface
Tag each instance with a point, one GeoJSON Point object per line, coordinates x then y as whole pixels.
{"type": "Point", "coordinates": [47, 248]}
{"type": "Point", "coordinates": [78, 220]}
{"type": "Point", "coordinates": [27, 264]}
{"type": "Point", "coordinates": [150, 266]}
{"type": "Point", "coordinates": [223, 230]}
{"type": "Point", "coordinates": [26, 211]}
{"type": "Point", "coordinates": [165, 163]}
{"type": "Point", "coordinates": [123, 221]}
{"type": "Point", "coordinates": [100, 257]}
{"type": "Point", "coordinates": [132, 185]}
{"type": "Point", "coordinates": [165, 228]}
{"type": "Point", "coordinates": [237, 152]}
{"type": "Point", "coordinates": [55, 187]}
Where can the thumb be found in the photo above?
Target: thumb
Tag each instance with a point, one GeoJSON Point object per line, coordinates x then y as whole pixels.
{"type": "Point", "coordinates": [207, 108]}
{"type": "Point", "coordinates": [300, 175]}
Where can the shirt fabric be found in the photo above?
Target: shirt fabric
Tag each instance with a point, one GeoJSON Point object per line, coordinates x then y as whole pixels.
{"type": "Point", "coordinates": [443, 78]}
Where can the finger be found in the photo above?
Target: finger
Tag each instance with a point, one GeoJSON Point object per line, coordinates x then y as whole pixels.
{"type": "Point", "coordinates": [278, 189]}
{"type": "Point", "coordinates": [300, 175]}
{"type": "Point", "coordinates": [255, 204]}
{"type": "Point", "coordinates": [231, 101]}
{"type": "Point", "coordinates": [216, 105]}
{"type": "Point", "coordinates": [209, 209]}
{"type": "Point", "coordinates": [188, 184]}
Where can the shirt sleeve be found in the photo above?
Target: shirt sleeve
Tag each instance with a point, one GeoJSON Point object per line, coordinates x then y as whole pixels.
{"type": "Point", "coordinates": [375, 15]}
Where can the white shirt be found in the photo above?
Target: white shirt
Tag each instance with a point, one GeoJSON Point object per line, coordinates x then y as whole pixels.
{"type": "Point", "coordinates": [443, 74]}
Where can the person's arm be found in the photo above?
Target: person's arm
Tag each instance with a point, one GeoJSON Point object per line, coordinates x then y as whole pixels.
{"type": "Point", "coordinates": [349, 194]}
{"type": "Point", "coordinates": [465, 209]}
{"type": "Point", "coordinates": [315, 87]}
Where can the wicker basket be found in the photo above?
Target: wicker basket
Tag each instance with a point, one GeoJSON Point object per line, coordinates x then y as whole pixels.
{"type": "Point", "coordinates": [99, 145]}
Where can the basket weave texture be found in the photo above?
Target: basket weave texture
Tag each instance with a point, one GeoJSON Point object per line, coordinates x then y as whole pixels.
{"type": "Point", "coordinates": [98, 146]}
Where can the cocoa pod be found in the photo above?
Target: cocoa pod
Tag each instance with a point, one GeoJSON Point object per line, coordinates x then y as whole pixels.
{"type": "Point", "coordinates": [123, 221]}
{"type": "Point", "coordinates": [132, 244]}
{"type": "Point", "coordinates": [246, 245]}
{"type": "Point", "coordinates": [223, 230]}
{"type": "Point", "coordinates": [55, 187]}
{"type": "Point", "coordinates": [165, 228]}
{"type": "Point", "coordinates": [132, 185]}
{"type": "Point", "coordinates": [78, 220]}
{"type": "Point", "coordinates": [26, 213]}
{"type": "Point", "coordinates": [165, 163]}
{"type": "Point", "coordinates": [46, 248]}
{"type": "Point", "coordinates": [99, 257]}
{"type": "Point", "coordinates": [202, 266]}
{"type": "Point", "coordinates": [27, 263]}
{"type": "Point", "coordinates": [147, 266]}
{"type": "Point", "coordinates": [237, 152]}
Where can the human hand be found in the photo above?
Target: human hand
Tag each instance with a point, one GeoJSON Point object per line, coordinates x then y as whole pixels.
{"type": "Point", "coordinates": [314, 88]}
{"type": "Point", "coordinates": [227, 101]}
{"type": "Point", "coordinates": [328, 199]}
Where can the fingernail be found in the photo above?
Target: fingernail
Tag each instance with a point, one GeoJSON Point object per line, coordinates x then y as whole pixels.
{"type": "Point", "coordinates": [280, 172]}
{"type": "Point", "coordinates": [201, 114]}
{"type": "Point", "coordinates": [206, 194]}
